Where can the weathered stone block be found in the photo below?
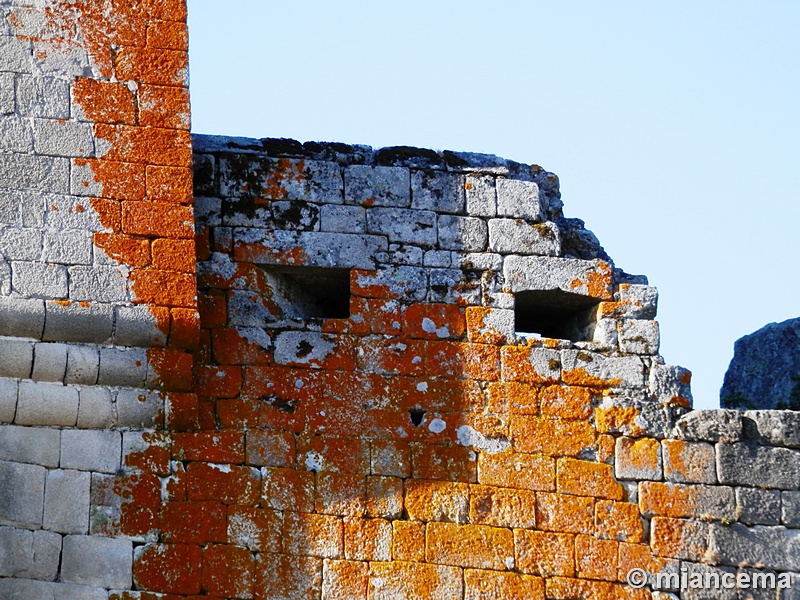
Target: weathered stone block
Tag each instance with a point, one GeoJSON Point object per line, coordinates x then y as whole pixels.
{"type": "Point", "coordinates": [66, 501]}
{"type": "Point", "coordinates": [97, 561]}
{"type": "Point", "coordinates": [637, 459]}
{"type": "Point", "coordinates": [481, 196]}
{"type": "Point", "coordinates": [83, 364]}
{"type": "Point", "coordinates": [710, 426]}
{"type": "Point", "coordinates": [16, 358]}
{"type": "Point", "coordinates": [49, 361]}
{"type": "Point", "coordinates": [8, 400]}
{"type": "Point", "coordinates": [16, 135]}
{"type": "Point", "coordinates": [136, 326]}
{"type": "Point", "coordinates": [47, 404]}
{"type": "Point", "coordinates": [745, 464]}
{"type": "Point", "coordinates": [343, 219]}
{"type": "Point", "coordinates": [21, 243]}
{"type": "Point", "coordinates": [639, 301]}
{"type": "Point", "coordinates": [790, 509]}
{"type": "Point", "coordinates": [77, 323]}
{"type": "Point", "coordinates": [516, 236]}
{"type": "Point", "coordinates": [33, 279]}
{"type": "Point", "coordinates": [96, 409]}
{"type": "Point", "coordinates": [98, 284]}
{"type": "Point", "coordinates": [377, 186]}
{"type": "Point", "coordinates": [765, 547]}
{"type": "Point", "coordinates": [637, 336]}
{"type": "Point", "coordinates": [42, 97]}
{"type": "Point", "coordinates": [63, 138]}
{"type": "Point", "coordinates": [139, 408]}
{"type": "Point", "coordinates": [87, 450]}
{"type": "Point", "coordinates": [440, 192]}
{"type": "Point", "coordinates": [518, 199]}
{"type": "Point", "coordinates": [585, 277]}
{"type": "Point", "coordinates": [123, 366]}
{"type": "Point", "coordinates": [462, 233]}
{"type": "Point", "coordinates": [28, 555]}
{"type": "Point", "coordinates": [772, 428]}
{"type": "Point", "coordinates": [21, 494]}
{"type": "Point", "coordinates": [689, 462]}
{"type": "Point", "coordinates": [403, 225]}
{"type": "Point", "coordinates": [588, 368]}
{"type": "Point", "coordinates": [33, 445]}
{"type": "Point", "coordinates": [20, 317]}
{"type": "Point", "coordinates": [38, 173]}
{"type": "Point", "coordinates": [758, 507]}
{"type": "Point", "coordinates": [7, 102]}
{"type": "Point", "coordinates": [68, 247]}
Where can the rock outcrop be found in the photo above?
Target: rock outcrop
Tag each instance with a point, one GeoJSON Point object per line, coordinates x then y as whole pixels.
{"type": "Point", "coordinates": [765, 370]}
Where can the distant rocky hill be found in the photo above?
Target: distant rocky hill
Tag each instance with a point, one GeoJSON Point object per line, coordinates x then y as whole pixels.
{"type": "Point", "coordinates": [765, 370]}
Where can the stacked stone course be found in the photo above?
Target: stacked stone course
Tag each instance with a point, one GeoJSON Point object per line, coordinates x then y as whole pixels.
{"type": "Point", "coordinates": [186, 412]}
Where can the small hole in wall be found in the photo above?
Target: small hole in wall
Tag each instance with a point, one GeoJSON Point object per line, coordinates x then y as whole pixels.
{"type": "Point", "coordinates": [554, 314]}
{"type": "Point", "coordinates": [416, 415]}
{"type": "Point", "coordinates": [310, 292]}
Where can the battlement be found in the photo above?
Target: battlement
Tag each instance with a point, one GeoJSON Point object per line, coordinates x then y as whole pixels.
{"type": "Point", "coordinates": [238, 368]}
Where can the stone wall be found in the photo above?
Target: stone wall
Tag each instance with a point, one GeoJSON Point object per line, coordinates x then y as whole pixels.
{"type": "Point", "coordinates": [330, 371]}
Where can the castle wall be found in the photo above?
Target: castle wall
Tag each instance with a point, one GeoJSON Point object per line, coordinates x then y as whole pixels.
{"type": "Point", "coordinates": [329, 371]}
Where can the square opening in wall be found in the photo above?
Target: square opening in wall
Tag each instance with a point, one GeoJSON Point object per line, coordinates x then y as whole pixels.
{"type": "Point", "coordinates": [310, 292]}
{"type": "Point", "coordinates": [554, 314]}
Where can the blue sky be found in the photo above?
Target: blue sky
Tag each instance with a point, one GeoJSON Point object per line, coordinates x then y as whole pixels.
{"type": "Point", "coordinates": [674, 128]}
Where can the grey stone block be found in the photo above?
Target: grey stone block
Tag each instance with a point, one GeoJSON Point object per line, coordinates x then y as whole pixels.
{"type": "Point", "coordinates": [16, 358]}
{"type": "Point", "coordinates": [63, 138]}
{"type": "Point", "coordinates": [29, 555]}
{"type": "Point", "coordinates": [83, 364]}
{"type": "Point", "coordinates": [401, 254]}
{"type": "Point", "coordinates": [689, 462]}
{"type": "Point", "coordinates": [47, 404]}
{"type": "Point", "coordinates": [139, 409]}
{"type": "Point", "coordinates": [15, 55]}
{"type": "Point", "coordinates": [8, 400]}
{"type": "Point", "coordinates": [437, 258]}
{"type": "Point", "coordinates": [64, 213]}
{"type": "Point", "coordinates": [5, 278]}
{"type": "Point", "coordinates": [294, 215]}
{"type": "Point", "coordinates": [440, 192]}
{"type": "Point", "coordinates": [42, 97]}
{"type": "Point", "coordinates": [282, 179]}
{"type": "Point", "coordinates": [405, 282]}
{"type": "Point", "coordinates": [624, 371]}
{"type": "Point", "coordinates": [96, 409]}
{"type": "Point", "coordinates": [136, 326]}
{"type": "Point", "coordinates": [516, 236]}
{"type": "Point", "coordinates": [758, 507]}
{"type": "Point", "coordinates": [66, 501]}
{"type": "Point", "coordinates": [49, 361]}
{"type": "Point", "coordinates": [453, 286]}
{"type": "Point", "coordinates": [31, 172]}
{"type": "Point", "coordinates": [207, 211]}
{"type": "Point", "coordinates": [790, 509]}
{"type": "Point", "coordinates": [97, 561]}
{"type": "Point", "coordinates": [523, 273]}
{"type": "Point", "coordinates": [637, 336]}
{"type": "Point", "coordinates": [7, 103]}
{"type": "Point", "coordinates": [89, 450]}
{"type": "Point", "coordinates": [32, 445]}
{"type": "Point", "coordinates": [745, 464]}
{"type": "Point", "coordinates": [713, 591]}
{"type": "Point", "coordinates": [32, 279]}
{"type": "Point", "coordinates": [772, 427]}
{"type": "Point", "coordinates": [462, 233]}
{"type": "Point", "coordinates": [640, 301]}
{"type": "Point", "coordinates": [21, 494]}
{"type": "Point", "coordinates": [68, 247]}
{"type": "Point", "coordinates": [123, 366]}
{"type": "Point", "coordinates": [765, 547]}
{"type": "Point", "coordinates": [9, 207]}
{"type": "Point", "coordinates": [477, 261]}
{"type": "Point", "coordinates": [518, 199]}
{"type": "Point", "coordinates": [98, 283]}
{"type": "Point", "coordinates": [15, 135]}
{"type": "Point", "coordinates": [377, 186]}
{"type": "Point", "coordinates": [481, 196]}
{"type": "Point", "coordinates": [343, 219]}
{"type": "Point", "coordinates": [710, 426]}
{"type": "Point", "coordinates": [403, 225]}
{"type": "Point", "coordinates": [21, 243]}
{"type": "Point", "coordinates": [627, 467]}
{"type": "Point", "coordinates": [76, 323]}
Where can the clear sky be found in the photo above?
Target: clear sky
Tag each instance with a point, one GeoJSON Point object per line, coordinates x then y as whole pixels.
{"type": "Point", "coordinates": [674, 127]}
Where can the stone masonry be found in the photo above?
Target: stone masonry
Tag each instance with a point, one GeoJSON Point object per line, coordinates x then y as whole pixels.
{"type": "Point", "coordinates": [322, 371]}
